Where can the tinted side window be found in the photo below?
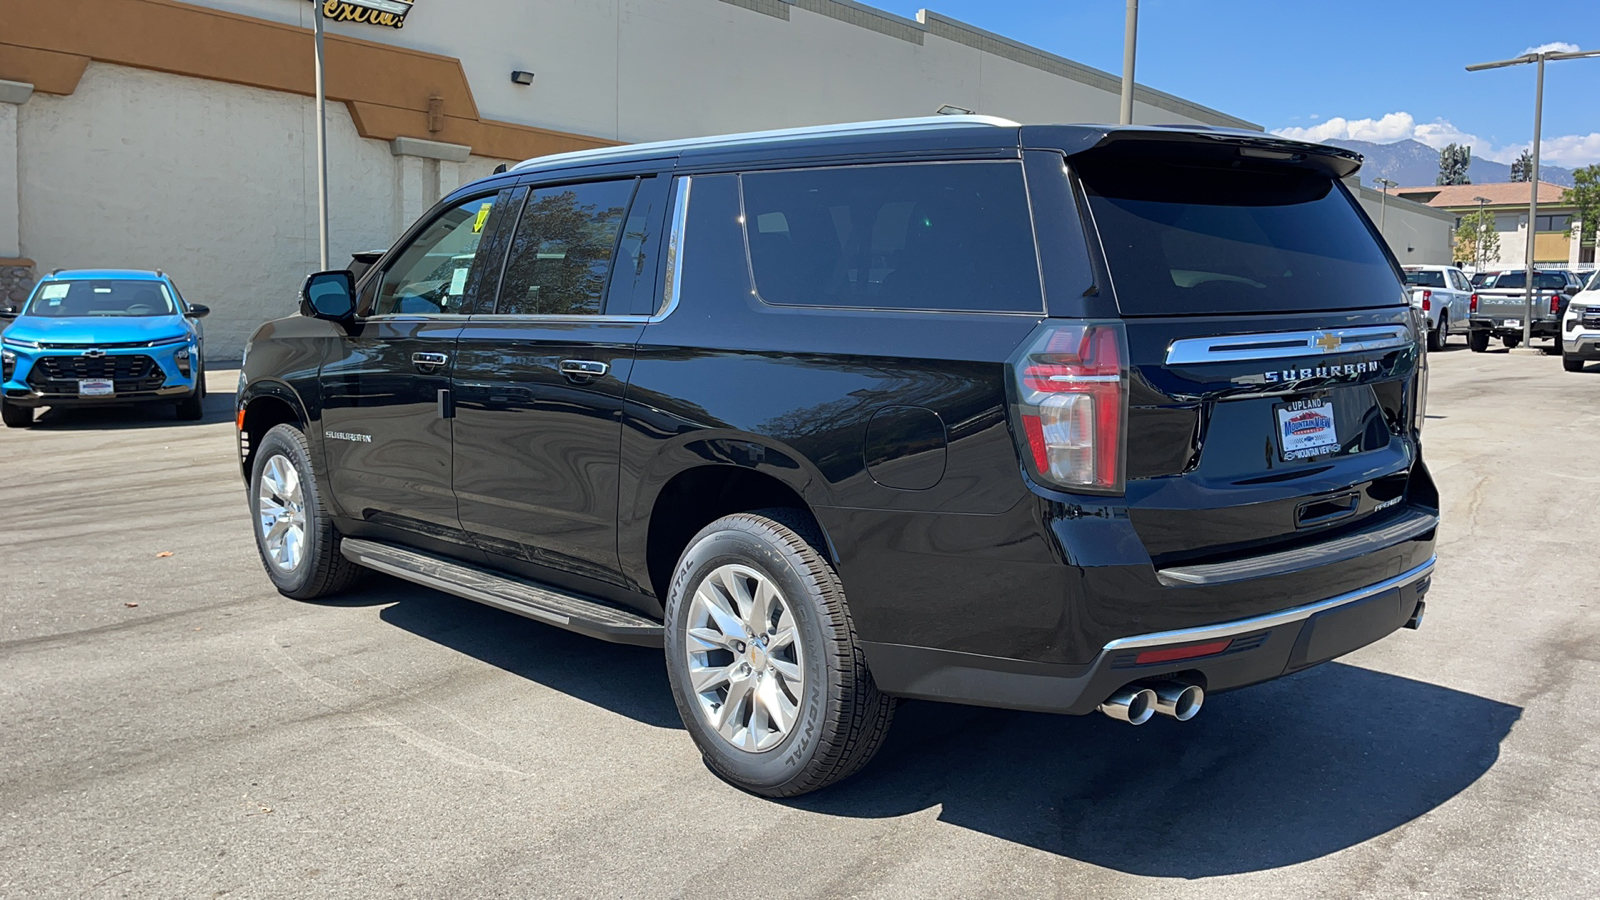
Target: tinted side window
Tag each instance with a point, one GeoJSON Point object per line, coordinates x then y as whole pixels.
{"type": "Point", "coordinates": [430, 275]}
{"type": "Point", "coordinates": [936, 236]}
{"type": "Point", "coordinates": [560, 255]}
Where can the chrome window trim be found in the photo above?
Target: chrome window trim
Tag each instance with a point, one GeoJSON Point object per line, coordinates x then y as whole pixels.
{"type": "Point", "coordinates": [680, 225]}
{"type": "Point", "coordinates": [512, 318]}
{"type": "Point", "coordinates": [1287, 344]}
{"type": "Point", "coordinates": [1270, 620]}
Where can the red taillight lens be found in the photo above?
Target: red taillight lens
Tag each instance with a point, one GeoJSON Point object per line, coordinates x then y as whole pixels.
{"type": "Point", "coordinates": [1472, 305]}
{"type": "Point", "coordinates": [1555, 304]}
{"type": "Point", "coordinates": [1072, 404]}
{"type": "Point", "coordinates": [1427, 300]}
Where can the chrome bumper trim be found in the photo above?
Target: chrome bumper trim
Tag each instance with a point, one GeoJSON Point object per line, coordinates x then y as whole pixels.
{"type": "Point", "coordinates": [1270, 620]}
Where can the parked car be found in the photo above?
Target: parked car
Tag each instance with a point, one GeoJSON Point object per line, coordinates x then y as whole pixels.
{"type": "Point", "coordinates": [1580, 327]}
{"type": "Point", "coordinates": [1445, 297]}
{"type": "Point", "coordinates": [103, 337]}
{"type": "Point", "coordinates": [1055, 418]}
{"type": "Point", "coordinates": [1502, 303]}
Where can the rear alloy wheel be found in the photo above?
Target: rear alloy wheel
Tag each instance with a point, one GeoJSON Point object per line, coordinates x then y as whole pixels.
{"type": "Point", "coordinates": [1478, 341]}
{"type": "Point", "coordinates": [15, 416]}
{"type": "Point", "coordinates": [1438, 336]}
{"type": "Point", "coordinates": [297, 542]}
{"type": "Point", "coordinates": [763, 658]}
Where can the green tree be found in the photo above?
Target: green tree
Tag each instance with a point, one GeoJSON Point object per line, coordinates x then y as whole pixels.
{"type": "Point", "coordinates": [1585, 195]}
{"type": "Point", "coordinates": [1522, 169]}
{"type": "Point", "coordinates": [1454, 160]}
{"type": "Point", "coordinates": [1476, 239]}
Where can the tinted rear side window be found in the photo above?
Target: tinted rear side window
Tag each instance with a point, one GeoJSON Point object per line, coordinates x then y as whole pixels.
{"type": "Point", "coordinates": [1184, 239]}
{"type": "Point", "coordinates": [937, 236]}
{"type": "Point", "coordinates": [1425, 278]}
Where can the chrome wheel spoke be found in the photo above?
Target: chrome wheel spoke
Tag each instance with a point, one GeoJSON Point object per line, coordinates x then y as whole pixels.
{"type": "Point", "coordinates": [281, 513]}
{"type": "Point", "coordinates": [744, 658]}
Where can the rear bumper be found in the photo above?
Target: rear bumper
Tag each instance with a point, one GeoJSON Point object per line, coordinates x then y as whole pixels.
{"type": "Point", "coordinates": [1540, 328]}
{"type": "Point", "coordinates": [1259, 648]}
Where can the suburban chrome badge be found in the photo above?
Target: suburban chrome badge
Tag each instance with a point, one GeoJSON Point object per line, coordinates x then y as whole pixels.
{"type": "Point", "coordinates": [347, 436]}
{"type": "Point", "coordinates": [1280, 376]}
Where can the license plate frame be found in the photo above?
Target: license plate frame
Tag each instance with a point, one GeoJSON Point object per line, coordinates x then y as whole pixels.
{"type": "Point", "coordinates": [1306, 429]}
{"type": "Point", "coordinates": [1510, 323]}
{"type": "Point", "coordinates": [96, 387]}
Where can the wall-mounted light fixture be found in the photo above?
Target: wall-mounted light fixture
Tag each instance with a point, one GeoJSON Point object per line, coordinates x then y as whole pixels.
{"type": "Point", "coordinates": [520, 77]}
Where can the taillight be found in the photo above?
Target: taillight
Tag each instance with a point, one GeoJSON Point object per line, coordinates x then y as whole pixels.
{"type": "Point", "coordinates": [1555, 304]}
{"type": "Point", "coordinates": [1427, 300]}
{"type": "Point", "coordinates": [1072, 404]}
{"type": "Point", "coordinates": [1472, 306]}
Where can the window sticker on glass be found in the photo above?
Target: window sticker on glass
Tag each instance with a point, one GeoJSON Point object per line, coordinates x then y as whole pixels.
{"type": "Point", "coordinates": [1306, 428]}
{"type": "Point", "coordinates": [458, 282]}
{"type": "Point", "coordinates": [54, 291]}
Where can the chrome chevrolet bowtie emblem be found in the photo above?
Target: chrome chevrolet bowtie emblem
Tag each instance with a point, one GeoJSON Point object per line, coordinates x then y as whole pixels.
{"type": "Point", "coordinates": [94, 353]}
{"type": "Point", "coordinates": [1329, 342]}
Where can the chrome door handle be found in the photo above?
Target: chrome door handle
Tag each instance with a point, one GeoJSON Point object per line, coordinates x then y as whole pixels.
{"type": "Point", "coordinates": [429, 360]}
{"type": "Point", "coordinates": [582, 369]}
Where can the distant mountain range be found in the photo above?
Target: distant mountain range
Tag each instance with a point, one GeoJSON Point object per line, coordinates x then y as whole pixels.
{"type": "Point", "coordinates": [1415, 164]}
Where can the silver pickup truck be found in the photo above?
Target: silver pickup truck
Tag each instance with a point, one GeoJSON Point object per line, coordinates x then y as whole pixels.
{"type": "Point", "coordinates": [1498, 308]}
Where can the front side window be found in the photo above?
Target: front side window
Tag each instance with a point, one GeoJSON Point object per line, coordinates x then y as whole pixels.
{"type": "Point", "coordinates": [560, 256]}
{"type": "Point", "coordinates": [931, 236]}
{"type": "Point", "coordinates": [430, 276]}
{"type": "Point", "coordinates": [108, 297]}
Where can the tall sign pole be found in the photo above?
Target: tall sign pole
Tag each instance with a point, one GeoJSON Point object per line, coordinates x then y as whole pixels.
{"type": "Point", "coordinates": [322, 145]}
{"type": "Point", "coordinates": [1129, 38]}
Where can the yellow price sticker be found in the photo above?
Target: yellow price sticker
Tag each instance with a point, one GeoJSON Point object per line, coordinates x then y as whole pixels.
{"type": "Point", "coordinates": [483, 216]}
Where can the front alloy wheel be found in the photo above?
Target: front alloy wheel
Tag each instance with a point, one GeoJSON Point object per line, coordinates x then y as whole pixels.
{"type": "Point", "coordinates": [281, 514]}
{"type": "Point", "coordinates": [294, 535]}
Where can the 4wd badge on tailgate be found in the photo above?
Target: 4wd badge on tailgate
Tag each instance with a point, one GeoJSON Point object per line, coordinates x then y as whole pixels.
{"type": "Point", "coordinates": [1305, 428]}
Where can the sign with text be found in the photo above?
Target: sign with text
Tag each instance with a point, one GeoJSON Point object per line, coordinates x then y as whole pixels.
{"type": "Point", "coordinates": [372, 12]}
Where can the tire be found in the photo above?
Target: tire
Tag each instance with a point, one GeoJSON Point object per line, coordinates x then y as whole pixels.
{"type": "Point", "coordinates": [840, 719]}
{"type": "Point", "coordinates": [318, 569]}
{"type": "Point", "coordinates": [1571, 363]}
{"type": "Point", "coordinates": [1478, 341]}
{"type": "Point", "coordinates": [1555, 346]}
{"type": "Point", "coordinates": [15, 416]}
{"type": "Point", "coordinates": [1438, 336]}
{"type": "Point", "coordinates": [193, 407]}
{"type": "Point", "coordinates": [1511, 341]}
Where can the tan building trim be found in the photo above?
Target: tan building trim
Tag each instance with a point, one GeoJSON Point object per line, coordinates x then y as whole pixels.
{"type": "Point", "coordinates": [387, 88]}
{"type": "Point", "coordinates": [16, 261]}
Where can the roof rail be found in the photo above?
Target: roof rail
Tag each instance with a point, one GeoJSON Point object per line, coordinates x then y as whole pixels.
{"type": "Point", "coordinates": [756, 137]}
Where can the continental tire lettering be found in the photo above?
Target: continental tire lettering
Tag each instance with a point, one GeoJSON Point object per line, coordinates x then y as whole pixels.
{"type": "Point", "coordinates": [793, 759]}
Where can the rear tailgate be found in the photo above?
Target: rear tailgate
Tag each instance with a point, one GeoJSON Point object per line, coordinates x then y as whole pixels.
{"type": "Point", "coordinates": [1275, 363]}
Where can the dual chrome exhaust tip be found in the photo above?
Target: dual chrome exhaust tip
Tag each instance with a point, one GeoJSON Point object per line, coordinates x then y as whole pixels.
{"type": "Point", "coordinates": [1136, 704]}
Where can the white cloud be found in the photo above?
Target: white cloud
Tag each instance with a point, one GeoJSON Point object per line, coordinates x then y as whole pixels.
{"type": "Point", "coordinates": [1570, 150]}
{"type": "Point", "coordinates": [1552, 47]}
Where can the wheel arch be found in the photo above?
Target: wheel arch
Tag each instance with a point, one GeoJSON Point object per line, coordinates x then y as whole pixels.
{"type": "Point", "coordinates": [263, 405]}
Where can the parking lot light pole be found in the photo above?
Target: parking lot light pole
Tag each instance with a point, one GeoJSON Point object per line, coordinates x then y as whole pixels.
{"type": "Point", "coordinates": [389, 6]}
{"type": "Point", "coordinates": [1533, 185]}
{"type": "Point", "coordinates": [1477, 250]}
{"type": "Point", "coordinates": [1383, 205]}
{"type": "Point", "coordinates": [1130, 33]}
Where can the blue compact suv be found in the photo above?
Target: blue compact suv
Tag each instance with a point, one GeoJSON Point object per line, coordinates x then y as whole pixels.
{"type": "Point", "coordinates": [103, 337]}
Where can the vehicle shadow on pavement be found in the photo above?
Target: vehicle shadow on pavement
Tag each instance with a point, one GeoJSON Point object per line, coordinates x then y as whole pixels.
{"type": "Point", "coordinates": [630, 681]}
{"type": "Point", "coordinates": [218, 408]}
{"type": "Point", "coordinates": [1275, 775]}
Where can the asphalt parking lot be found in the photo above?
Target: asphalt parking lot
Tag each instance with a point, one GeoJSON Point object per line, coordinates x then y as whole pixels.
{"type": "Point", "coordinates": [174, 728]}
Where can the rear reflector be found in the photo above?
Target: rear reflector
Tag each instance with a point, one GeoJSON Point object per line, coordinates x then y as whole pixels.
{"type": "Point", "coordinates": [1172, 654]}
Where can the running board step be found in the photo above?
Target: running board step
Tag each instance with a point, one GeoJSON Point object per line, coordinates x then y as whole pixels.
{"type": "Point", "coordinates": [551, 606]}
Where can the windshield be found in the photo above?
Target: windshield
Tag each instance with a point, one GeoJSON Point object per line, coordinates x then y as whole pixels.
{"type": "Point", "coordinates": [1542, 281]}
{"type": "Point", "coordinates": [1594, 283]}
{"type": "Point", "coordinates": [1194, 239]}
{"type": "Point", "coordinates": [1425, 279]}
{"type": "Point", "coordinates": [110, 297]}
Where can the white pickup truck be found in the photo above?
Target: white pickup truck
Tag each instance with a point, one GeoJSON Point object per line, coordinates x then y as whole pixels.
{"type": "Point", "coordinates": [1580, 328]}
{"type": "Point", "coordinates": [1500, 304]}
{"type": "Point", "coordinates": [1444, 295]}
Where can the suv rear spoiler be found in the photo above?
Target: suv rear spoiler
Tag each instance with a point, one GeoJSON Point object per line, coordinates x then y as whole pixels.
{"type": "Point", "coordinates": [1158, 140]}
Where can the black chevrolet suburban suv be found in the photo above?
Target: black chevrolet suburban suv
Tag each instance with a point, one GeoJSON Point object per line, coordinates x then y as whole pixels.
{"type": "Point", "coordinates": [1059, 418]}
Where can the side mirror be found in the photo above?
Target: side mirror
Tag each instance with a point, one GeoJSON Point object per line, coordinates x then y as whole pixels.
{"type": "Point", "coordinates": [198, 311]}
{"type": "Point", "coordinates": [7, 312]}
{"type": "Point", "coordinates": [1571, 291]}
{"type": "Point", "coordinates": [329, 295]}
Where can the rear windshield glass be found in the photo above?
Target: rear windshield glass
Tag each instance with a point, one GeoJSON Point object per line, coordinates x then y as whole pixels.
{"type": "Point", "coordinates": [1183, 239]}
{"type": "Point", "coordinates": [64, 299]}
{"type": "Point", "coordinates": [1425, 278]}
{"type": "Point", "coordinates": [944, 236]}
{"type": "Point", "coordinates": [1544, 281]}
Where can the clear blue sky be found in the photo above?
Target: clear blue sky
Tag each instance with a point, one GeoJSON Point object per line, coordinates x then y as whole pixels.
{"type": "Point", "coordinates": [1297, 64]}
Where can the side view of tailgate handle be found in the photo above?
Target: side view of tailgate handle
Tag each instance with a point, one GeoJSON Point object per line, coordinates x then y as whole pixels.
{"type": "Point", "coordinates": [427, 362]}
{"type": "Point", "coordinates": [582, 369]}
